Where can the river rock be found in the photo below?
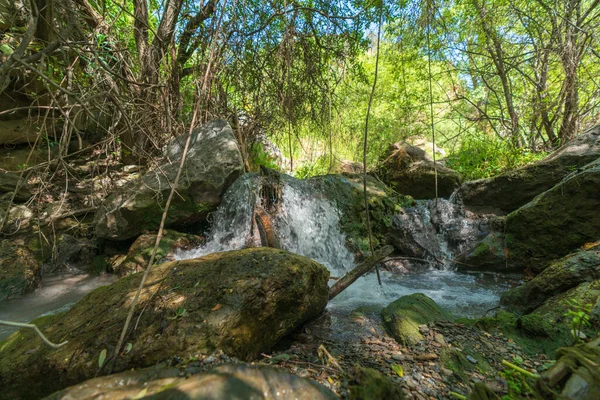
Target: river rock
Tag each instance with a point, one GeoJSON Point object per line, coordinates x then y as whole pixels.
{"type": "Point", "coordinates": [567, 273]}
{"type": "Point", "coordinates": [403, 317]}
{"type": "Point", "coordinates": [557, 221]}
{"type": "Point", "coordinates": [508, 191]}
{"type": "Point", "coordinates": [553, 319]}
{"type": "Point", "coordinates": [242, 302]}
{"type": "Point", "coordinates": [8, 183]}
{"type": "Point", "coordinates": [141, 250]}
{"type": "Point", "coordinates": [212, 164]}
{"type": "Point", "coordinates": [20, 273]}
{"type": "Point", "coordinates": [436, 232]}
{"type": "Point", "coordinates": [410, 170]}
{"type": "Point", "coordinates": [225, 382]}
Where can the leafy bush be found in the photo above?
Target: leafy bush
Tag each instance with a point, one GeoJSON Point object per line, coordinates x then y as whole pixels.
{"type": "Point", "coordinates": [483, 156]}
{"type": "Point", "coordinates": [318, 167]}
{"type": "Point", "coordinates": [258, 157]}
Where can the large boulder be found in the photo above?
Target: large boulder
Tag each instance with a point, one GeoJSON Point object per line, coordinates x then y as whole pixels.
{"type": "Point", "coordinates": [20, 273]}
{"type": "Point", "coordinates": [508, 191]}
{"type": "Point", "coordinates": [557, 221]}
{"type": "Point", "coordinates": [567, 273]}
{"type": "Point", "coordinates": [410, 170]}
{"type": "Point", "coordinates": [403, 317]}
{"type": "Point", "coordinates": [225, 382]}
{"type": "Point", "coordinates": [140, 251]}
{"type": "Point", "coordinates": [242, 302]}
{"type": "Point", "coordinates": [213, 162]}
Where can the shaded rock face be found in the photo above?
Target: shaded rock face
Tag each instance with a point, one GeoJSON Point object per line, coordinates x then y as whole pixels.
{"type": "Point", "coordinates": [436, 232]}
{"type": "Point", "coordinates": [241, 302]}
{"type": "Point", "coordinates": [402, 317]}
{"type": "Point", "coordinates": [225, 382]}
{"type": "Point", "coordinates": [213, 163]}
{"type": "Point", "coordinates": [140, 251]}
{"type": "Point", "coordinates": [508, 191]}
{"type": "Point", "coordinates": [565, 274]}
{"type": "Point", "coordinates": [489, 254]}
{"type": "Point", "coordinates": [557, 221]}
{"type": "Point", "coordinates": [8, 183]}
{"type": "Point", "coordinates": [409, 170]}
{"type": "Point", "coordinates": [20, 273]}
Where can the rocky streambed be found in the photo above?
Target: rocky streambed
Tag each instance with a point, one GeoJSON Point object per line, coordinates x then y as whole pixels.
{"type": "Point", "coordinates": [215, 298]}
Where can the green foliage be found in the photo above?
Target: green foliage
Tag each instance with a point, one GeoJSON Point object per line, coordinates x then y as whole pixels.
{"type": "Point", "coordinates": [579, 315]}
{"type": "Point", "coordinates": [309, 169]}
{"type": "Point", "coordinates": [258, 157]}
{"type": "Point", "coordinates": [518, 386]}
{"type": "Point", "coordinates": [481, 156]}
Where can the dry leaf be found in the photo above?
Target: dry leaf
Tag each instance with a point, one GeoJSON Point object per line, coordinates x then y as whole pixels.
{"type": "Point", "coordinates": [215, 308]}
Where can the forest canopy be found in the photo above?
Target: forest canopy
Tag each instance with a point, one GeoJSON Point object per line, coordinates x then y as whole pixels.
{"type": "Point", "coordinates": [499, 82]}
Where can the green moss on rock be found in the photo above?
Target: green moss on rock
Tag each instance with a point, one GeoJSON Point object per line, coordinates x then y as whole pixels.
{"type": "Point", "coordinates": [346, 192]}
{"type": "Point", "coordinates": [402, 317]}
{"type": "Point", "coordinates": [241, 302]}
{"type": "Point", "coordinates": [557, 221]}
{"type": "Point", "coordinates": [369, 384]}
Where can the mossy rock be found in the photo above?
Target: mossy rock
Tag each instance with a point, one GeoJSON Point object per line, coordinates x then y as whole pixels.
{"type": "Point", "coordinates": [557, 221]}
{"type": "Point", "coordinates": [140, 251]}
{"type": "Point", "coordinates": [552, 319]}
{"type": "Point", "coordinates": [20, 273]}
{"type": "Point", "coordinates": [510, 190]}
{"type": "Point", "coordinates": [489, 255]}
{"type": "Point", "coordinates": [402, 317]}
{"type": "Point", "coordinates": [562, 275]}
{"type": "Point", "coordinates": [410, 170]}
{"type": "Point", "coordinates": [370, 384]}
{"type": "Point", "coordinates": [346, 192]}
{"type": "Point", "coordinates": [224, 382]}
{"type": "Point", "coordinates": [242, 302]}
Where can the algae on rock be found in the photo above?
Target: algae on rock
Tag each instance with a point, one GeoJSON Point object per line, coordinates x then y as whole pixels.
{"type": "Point", "coordinates": [241, 302]}
{"type": "Point", "coordinates": [557, 221]}
{"type": "Point", "coordinates": [402, 317]}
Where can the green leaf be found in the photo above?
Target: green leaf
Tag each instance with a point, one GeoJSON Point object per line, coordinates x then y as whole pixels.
{"type": "Point", "coordinates": [102, 358]}
{"type": "Point", "coordinates": [6, 49]}
{"type": "Point", "coordinates": [398, 370]}
{"type": "Point", "coordinates": [128, 348]}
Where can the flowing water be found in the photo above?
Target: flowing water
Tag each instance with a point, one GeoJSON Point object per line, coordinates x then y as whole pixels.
{"type": "Point", "coordinates": [309, 225]}
{"type": "Point", "coordinates": [58, 293]}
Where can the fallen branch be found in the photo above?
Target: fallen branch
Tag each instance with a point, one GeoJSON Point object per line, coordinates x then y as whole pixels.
{"type": "Point", "coordinates": [359, 271]}
{"type": "Point", "coordinates": [36, 329]}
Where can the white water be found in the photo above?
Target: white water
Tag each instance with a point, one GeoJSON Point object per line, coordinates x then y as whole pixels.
{"type": "Point", "coordinates": [309, 225]}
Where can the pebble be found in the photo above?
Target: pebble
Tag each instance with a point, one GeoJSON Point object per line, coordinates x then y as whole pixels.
{"type": "Point", "coordinates": [471, 359]}
{"type": "Point", "coordinates": [398, 357]}
{"type": "Point", "coordinates": [209, 360]}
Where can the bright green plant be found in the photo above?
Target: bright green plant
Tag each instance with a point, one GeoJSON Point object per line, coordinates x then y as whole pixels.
{"type": "Point", "coordinates": [580, 317]}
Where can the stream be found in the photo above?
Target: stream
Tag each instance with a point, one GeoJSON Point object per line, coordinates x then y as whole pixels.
{"type": "Point", "coordinates": [58, 293]}
{"type": "Point", "coordinates": [309, 225]}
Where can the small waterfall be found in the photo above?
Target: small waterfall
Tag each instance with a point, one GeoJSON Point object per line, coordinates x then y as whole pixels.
{"type": "Point", "coordinates": [307, 224]}
{"type": "Point", "coordinates": [437, 232]}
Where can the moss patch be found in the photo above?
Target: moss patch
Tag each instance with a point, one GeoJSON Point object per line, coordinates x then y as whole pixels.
{"type": "Point", "coordinates": [242, 302]}
{"type": "Point", "coordinates": [403, 317]}
{"type": "Point", "coordinates": [369, 384]}
{"type": "Point", "coordinates": [346, 191]}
